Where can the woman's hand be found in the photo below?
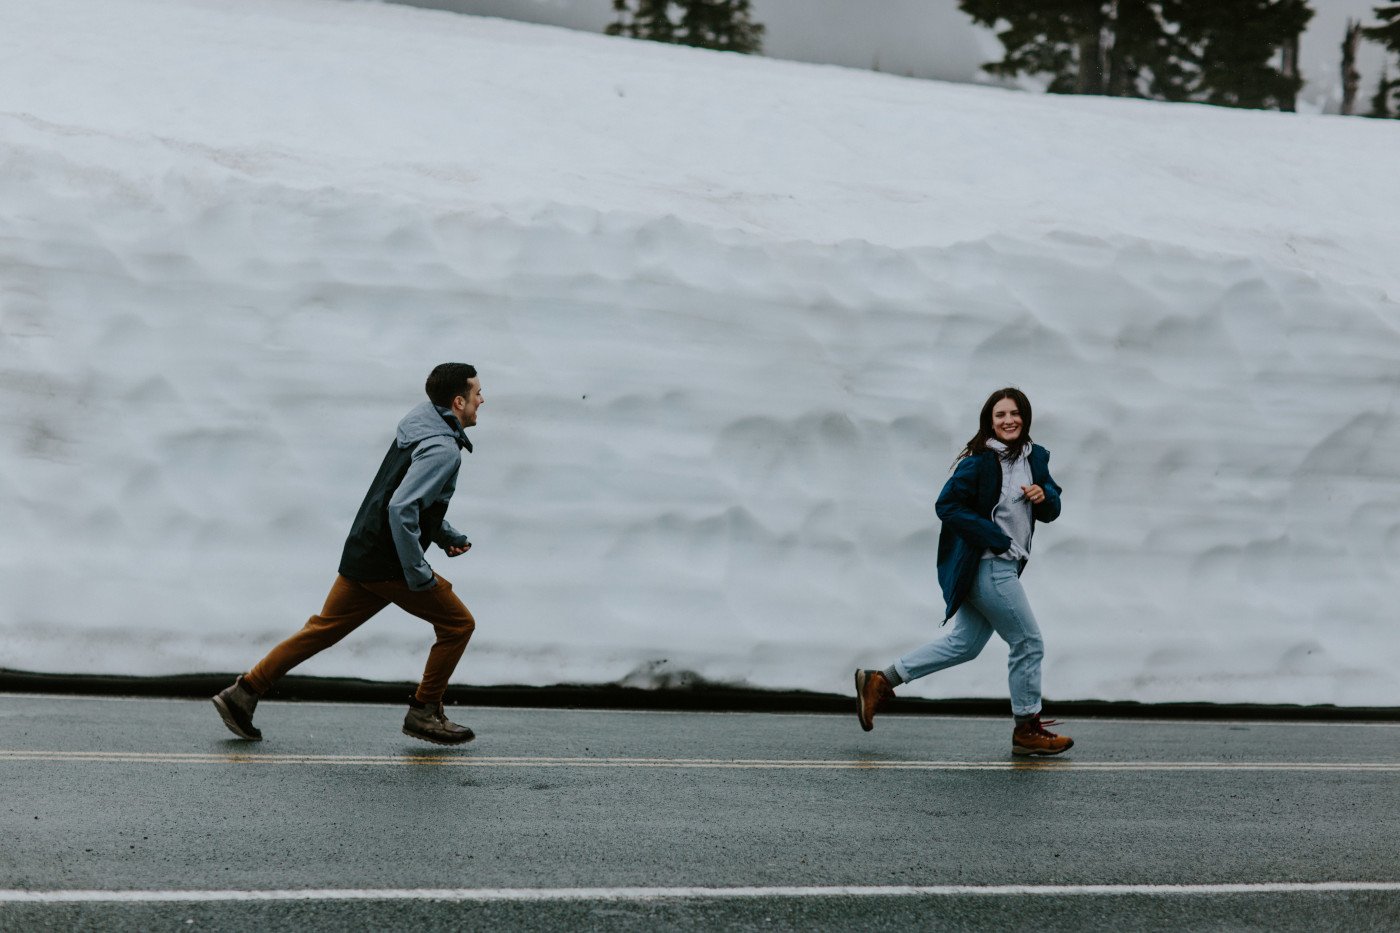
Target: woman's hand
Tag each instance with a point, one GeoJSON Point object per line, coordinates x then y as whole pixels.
{"type": "Point", "coordinates": [1034, 494]}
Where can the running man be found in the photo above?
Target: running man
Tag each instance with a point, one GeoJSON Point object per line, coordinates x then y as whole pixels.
{"type": "Point", "coordinates": [383, 562]}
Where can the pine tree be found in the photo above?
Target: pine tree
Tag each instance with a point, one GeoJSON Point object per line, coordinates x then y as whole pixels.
{"type": "Point", "coordinates": [1064, 39]}
{"type": "Point", "coordinates": [726, 25]}
{"type": "Point", "coordinates": [1351, 77]}
{"type": "Point", "coordinates": [1218, 52]}
{"type": "Point", "coordinates": [1234, 42]}
{"type": "Point", "coordinates": [1386, 102]}
{"type": "Point", "coordinates": [1381, 102]}
{"type": "Point", "coordinates": [651, 20]}
{"type": "Point", "coordinates": [1387, 35]}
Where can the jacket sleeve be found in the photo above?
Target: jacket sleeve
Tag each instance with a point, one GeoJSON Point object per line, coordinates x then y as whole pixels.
{"type": "Point", "coordinates": [1049, 509]}
{"type": "Point", "coordinates": [448, 536]}
{"type": "Point", "coordinates": [429, 471]}
{"type": "Point", "coordinates": [956, 508]}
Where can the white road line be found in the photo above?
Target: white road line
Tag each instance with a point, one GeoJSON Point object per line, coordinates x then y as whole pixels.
{"type": "Point", "coordinates": [467, 760]}
{"type": "Point", "coordinates": [690, 893]}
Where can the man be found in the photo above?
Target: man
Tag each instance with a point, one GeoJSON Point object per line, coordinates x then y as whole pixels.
{"type": "Point", "coordinates": [383, 562]}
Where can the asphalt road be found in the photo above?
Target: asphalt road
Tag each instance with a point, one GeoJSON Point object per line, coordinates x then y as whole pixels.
{"type": "Point", "coordinates": [561, 819]}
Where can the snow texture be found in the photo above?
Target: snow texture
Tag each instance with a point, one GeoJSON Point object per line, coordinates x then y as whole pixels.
{"type": "Point", "coordinates": [734, 319]}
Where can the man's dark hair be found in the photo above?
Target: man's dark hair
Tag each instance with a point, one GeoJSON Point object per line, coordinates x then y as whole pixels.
{"type": "Point", "coordinates": [449, 380]}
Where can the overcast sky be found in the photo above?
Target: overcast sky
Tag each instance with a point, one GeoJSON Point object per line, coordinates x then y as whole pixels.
{"type": "Point", "coordinates": [933, 38]}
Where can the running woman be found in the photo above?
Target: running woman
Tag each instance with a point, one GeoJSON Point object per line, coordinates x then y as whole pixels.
{"type": "Point", "coordinates": [1000, 487]}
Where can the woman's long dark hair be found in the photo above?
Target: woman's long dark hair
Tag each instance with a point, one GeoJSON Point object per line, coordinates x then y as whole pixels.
{"type": "Point", "coordinates": [985, 432]}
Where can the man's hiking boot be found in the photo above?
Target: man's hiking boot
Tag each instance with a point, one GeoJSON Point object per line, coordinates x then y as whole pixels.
{"type": "Point", "coordinates": [1032, 738]}
{"type": "Point", "coordinates": [236, 704]}
{"type": "Point", "coordinates": [873, 692]}
{"type": "Point", "coordinates": [427, 721]}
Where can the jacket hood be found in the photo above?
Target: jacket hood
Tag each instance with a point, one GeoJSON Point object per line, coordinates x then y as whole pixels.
{"type": "Point", "coordinates": [427, 420]}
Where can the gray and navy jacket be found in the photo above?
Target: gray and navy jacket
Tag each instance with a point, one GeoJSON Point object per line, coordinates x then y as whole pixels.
{"type": "Point", "coordinates": [965, 506]}
{"type": "Point", "coordinates": [406, 507]}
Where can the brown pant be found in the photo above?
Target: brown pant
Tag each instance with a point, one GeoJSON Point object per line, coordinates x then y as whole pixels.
{"type": "Point", "coordinates": [350, 604]}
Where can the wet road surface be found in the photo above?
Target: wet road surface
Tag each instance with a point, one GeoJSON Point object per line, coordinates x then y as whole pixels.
{"type": "Point", "coordinates": [148, 815]}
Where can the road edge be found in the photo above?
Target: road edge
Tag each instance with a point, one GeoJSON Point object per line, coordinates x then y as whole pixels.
{"type": "Point", "coordinates": [696, 697]}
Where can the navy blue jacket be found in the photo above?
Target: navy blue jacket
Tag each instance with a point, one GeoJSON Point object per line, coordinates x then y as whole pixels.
{"type": "Point", "coordinates": [965, 506]}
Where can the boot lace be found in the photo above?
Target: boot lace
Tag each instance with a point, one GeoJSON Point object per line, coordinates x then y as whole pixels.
{"type": "Point", "coordinates": [1037, 726]}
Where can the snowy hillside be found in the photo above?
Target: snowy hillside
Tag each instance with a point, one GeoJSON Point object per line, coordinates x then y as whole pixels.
{"type": "Point", "coordinates": [734, 318]}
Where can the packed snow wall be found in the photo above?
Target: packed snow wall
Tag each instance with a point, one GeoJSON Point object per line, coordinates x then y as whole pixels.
{"type": "Point", "coordinates": [706, 449]}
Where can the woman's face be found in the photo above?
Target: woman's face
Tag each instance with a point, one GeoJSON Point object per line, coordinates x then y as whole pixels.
{"type": "Point", "coordinates": [1006, 420]}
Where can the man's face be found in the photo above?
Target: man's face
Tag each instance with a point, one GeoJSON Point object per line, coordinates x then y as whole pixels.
{"type": "Point", "coordinates": [465, 406]}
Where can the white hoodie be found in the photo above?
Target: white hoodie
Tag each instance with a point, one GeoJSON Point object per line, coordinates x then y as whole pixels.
{"type": "Point", "coordinates": [1013, 511]}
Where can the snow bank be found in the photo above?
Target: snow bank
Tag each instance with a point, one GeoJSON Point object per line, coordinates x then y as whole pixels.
{"type": "Point", "coordinates": [734, 318]}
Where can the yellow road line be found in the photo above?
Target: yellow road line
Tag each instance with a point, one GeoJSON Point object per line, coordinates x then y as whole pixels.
{"type": "Point", "coordinates": [463, 759]}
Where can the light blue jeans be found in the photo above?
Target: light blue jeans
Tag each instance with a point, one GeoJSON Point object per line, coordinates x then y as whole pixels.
{"type": "Point", "coordinates": [998, 604]}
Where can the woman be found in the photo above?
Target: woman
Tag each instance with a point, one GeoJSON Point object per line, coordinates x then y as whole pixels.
{"type": "Point", "coordinates": [1000, 487]}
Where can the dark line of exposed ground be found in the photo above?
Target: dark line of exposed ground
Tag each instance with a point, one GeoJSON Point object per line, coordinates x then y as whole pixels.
{"type": "Point", "coordinates": [699, 696]}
